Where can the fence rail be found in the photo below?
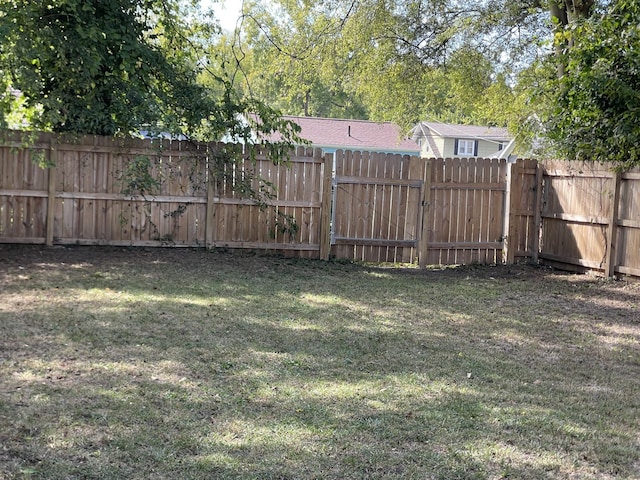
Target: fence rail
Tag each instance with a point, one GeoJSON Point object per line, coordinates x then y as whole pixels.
{"type": "Point", "coordinates": [348, 205]}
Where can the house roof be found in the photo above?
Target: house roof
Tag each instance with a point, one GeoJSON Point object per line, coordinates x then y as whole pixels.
{"type": "Point", "coordinates": [354, 135]}
{"type": "Point", "coordinates": [448, 130]}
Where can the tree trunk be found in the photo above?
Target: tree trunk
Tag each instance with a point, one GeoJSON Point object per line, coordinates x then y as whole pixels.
{"type": "Point", "coordinates": [307, 100]}
{"type": "Point", "coordinates": [563, 14]}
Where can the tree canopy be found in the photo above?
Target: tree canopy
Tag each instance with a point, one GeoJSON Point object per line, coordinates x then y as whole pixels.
{"type": "Point", "coordinates": [118, 66]}
{"type": "Point", "coordinates": [569, 69]}
{"type": "Point", "coordinates": [403, 60]}
{"type": "Point", "coordinates": [121, 67]}
{"type": "Point", "coordinates": [596, 111]}
{"type": "Point", "coordinates": [522, 64]}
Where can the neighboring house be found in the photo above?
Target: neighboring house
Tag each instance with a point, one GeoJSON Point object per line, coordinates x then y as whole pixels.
{"type": "Point", "coordinates": [443, 140]}
{"type": "Point", "coordinates": [333, 134]}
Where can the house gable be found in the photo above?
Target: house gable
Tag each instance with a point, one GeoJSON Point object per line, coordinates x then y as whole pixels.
{"type": "Point", "coordinates": [448, 140]}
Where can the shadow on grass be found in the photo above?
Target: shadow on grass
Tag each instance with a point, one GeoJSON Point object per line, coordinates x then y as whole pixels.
{"type": "Point", "coordinates": [250, 367]}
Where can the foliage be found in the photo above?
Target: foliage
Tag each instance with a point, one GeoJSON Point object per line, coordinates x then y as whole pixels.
{"type": "Point", "coordinates": [138, 178]}
{"type": "Point", "coordinates": [375, 60]}
{"type": "Point", "coordinates": [433, 59]}
{"type": "Point", "coordinates": [544, 69]}
{"type": "Point", "coordinates": [596, 115]}
{"type": "Point", "coordinates": [466, 90]}
{"type": "Point", "coordinates": [93, 67]}
{"type": "Point", "coordinates": [118, 66]}
{"type": "Point", "coordinates": [288, 56]}
{"type": "Point", "coordinates": [113, 66]}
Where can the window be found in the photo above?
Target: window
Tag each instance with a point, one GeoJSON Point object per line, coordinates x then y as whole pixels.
{"type": "Point", "coordinates": [468, 148]}
{"type": "Point", "coordinates": [500, 146]}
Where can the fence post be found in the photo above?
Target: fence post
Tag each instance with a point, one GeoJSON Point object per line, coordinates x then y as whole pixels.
{"type": "Point", "coordinates": [612, 234]}
{"type": "Point", "coordinates": [509, 224]}
{"type": "Point", "coordinates": [537, 216]}
{"type": "Point", "coordinates": [51, 193]}
{"type": "Point", "coordinates": [210, 229]}
{"type": "Point", "coordinates": [326, 206]}
{"type": "Point", "coordinates": [209, 232]}
{"type": "Point", "coordinates": [425, 208]}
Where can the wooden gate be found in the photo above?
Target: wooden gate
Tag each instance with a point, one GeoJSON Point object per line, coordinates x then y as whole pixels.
{"type": "Point", "coordinates": [377, 206]}
{"type": "Point", "coordinates": [467, 211]}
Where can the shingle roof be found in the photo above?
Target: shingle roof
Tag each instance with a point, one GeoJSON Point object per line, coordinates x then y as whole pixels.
{"type": "Point", "coordinates": [468, 131]}
{"type": "Point", "coordinates": [354, 134]}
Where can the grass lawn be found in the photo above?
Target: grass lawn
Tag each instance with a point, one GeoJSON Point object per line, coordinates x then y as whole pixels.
{"type": "Point", "coordinates": [181, 364]}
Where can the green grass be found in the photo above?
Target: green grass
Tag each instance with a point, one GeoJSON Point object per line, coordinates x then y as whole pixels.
{"type": "Point", "coordinates": [185, 364]}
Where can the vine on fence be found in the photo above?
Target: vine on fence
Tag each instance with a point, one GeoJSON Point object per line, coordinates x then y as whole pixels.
{"type": "Point", "coordinates": [28, 142]}
{"type": "Point", "coordinates": [138, 178]}
{"type": "Point", "coordinates": [228, 168]}
{"type": "Point", "coordinates": [144, 176]}
{"type": "Point", "coordinates": [286, 224]}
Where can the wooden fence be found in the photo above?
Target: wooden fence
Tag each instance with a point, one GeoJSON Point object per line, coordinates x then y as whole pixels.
{"type": "Point", "coordinates": [348, 205]}
{"type": "Point", "coordinates": [390, 208]}
{"type": "Point", "coordinates": [467, 202]}
{"type": "Point", "coordinates": [590, 217]}
{"type": "Point", "coordinates": [90, 195]}
{"type": "Point", "coordinates": [377, 209]}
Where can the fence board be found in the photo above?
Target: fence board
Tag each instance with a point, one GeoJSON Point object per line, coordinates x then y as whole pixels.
{"type": "Point", "coordinates": [526, 182]}
{"type": "Point", "coordinates": [627, 261]}
{"type": "Point", "coordinates": [468, 229]}
{"type": "Point", "coordinates": [445, 204]}
{"type": "Point", "coordinates": [339, 206]}
{"type": "Point", "coordinates": [483, 213]}
{"type": "Point", "coordinates": [436, 220]}
{"type": "Point", "coordinates": [367, 195]}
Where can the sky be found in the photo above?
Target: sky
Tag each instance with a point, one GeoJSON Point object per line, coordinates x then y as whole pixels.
{"type": "Point", "coordinates": [227, 12]}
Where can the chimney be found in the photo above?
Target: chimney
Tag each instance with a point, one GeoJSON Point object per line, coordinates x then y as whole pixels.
{"type": "Point", "coordinates": [349, 130]}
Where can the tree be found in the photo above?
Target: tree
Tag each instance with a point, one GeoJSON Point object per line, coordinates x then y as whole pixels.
{"type": "Point", "coordinates": [597, 110]}
{"type": "Point", "coordinates": [288, 57]}
{"type": "Point", "coordinates": [90, 66]}
{"type": "Point", "coordinates": [519, 63]}
{"type": "Point", "coordinates": [115, 66]}
{"type": "Point", "coordinates": [346, 58]}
